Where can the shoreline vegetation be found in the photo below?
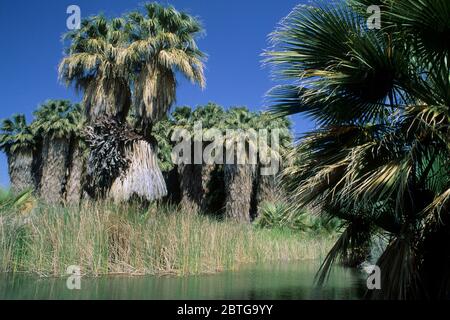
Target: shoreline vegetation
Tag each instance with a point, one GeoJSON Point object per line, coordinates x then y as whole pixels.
{"type": "Point", "coordinates": [107, 239]}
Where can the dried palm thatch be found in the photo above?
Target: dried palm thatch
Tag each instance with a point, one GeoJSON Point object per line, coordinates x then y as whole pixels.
{"type": "Point", "coordinates": [106, 158]}
{"type": "Point", "coordinates": [122, 163]}
{"type": "Point", "coordinates": [142, 178]}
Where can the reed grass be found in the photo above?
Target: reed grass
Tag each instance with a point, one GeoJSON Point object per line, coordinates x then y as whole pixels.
{"type": "Point", "coordinates": [114, 239]}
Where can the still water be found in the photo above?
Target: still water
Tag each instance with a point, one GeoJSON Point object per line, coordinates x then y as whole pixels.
{"type": "Point", "coordinates": [268, 281]}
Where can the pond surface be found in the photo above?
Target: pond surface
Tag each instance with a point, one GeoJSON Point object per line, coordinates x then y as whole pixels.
{"type": "Point", "coordinates": [269, 281]}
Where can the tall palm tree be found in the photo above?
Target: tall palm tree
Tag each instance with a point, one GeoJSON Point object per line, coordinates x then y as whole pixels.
{"type": "Point", "coordinates": [17, 140]}
{"type": "Point", "coordinates": [239, 174]}
{"type": "Point", "coordinates": [92, 65]}
{"type": "Point", "coordinates": [189, 174]}
{"type": "Point", "coordinates": [55, 123]}
{"type": "Point", "coordinates": [143, 51]}
{"type": "Point", "coordinates": [211, 117]}
{"type": "Point", "coordinates": [196, 178]}
{"type": "Point", "coordinates": [161, 134]}
{"type": "Point", "coordinates": [162, 41]}
{"type": "Point", "coordinates": [279, 143]}
{"type": "Point", "coordinates": [379, 158]}
{"type": "Point", "coordinates": [253, 182]}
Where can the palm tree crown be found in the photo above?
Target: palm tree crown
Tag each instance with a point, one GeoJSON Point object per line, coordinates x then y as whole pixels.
{"type": "Point", "coordinates": [139, 55]}
{"type": "Point", "coordinates": [162, 41]}
{"type": "Point", "coordinates": [16, 134]}
{"type": "Point", "coordinates": [58, 119]}
{"type": "Point", "coordinates": [380, 155]}
{"type": "Point", "coordinates": [92, 65]}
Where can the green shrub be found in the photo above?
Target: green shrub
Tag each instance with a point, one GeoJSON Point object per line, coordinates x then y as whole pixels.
{"type": "Point", "coordinates": [282, 215]}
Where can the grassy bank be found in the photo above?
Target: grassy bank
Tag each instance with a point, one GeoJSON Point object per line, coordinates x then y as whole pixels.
{"type": "Point", "coordinates": [108, 239]}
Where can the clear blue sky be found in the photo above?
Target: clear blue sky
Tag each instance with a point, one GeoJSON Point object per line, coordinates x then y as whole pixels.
{"type": "Point", "coordinates": [236, 35]}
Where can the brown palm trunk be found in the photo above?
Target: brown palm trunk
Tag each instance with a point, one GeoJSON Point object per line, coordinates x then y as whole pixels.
{"type": "Point", "coordinates": [173, 186]}
{"type": "Point", "coordinates": [190, 186]}
{"type": "Point", "coordinates": [37, 165]}
{"type": "Point", "coordinates": [195, 187]}
{"type": "Point", "coordinates": [239, 189]}
{"type": "Point", "coordinates": [73, 189]}
{"type": "Point", "coordinates": [206, 176]}
{"type": "Point", "coordinates": [20, 165]}
{"type": "Point", "coordinates": [54, 166]}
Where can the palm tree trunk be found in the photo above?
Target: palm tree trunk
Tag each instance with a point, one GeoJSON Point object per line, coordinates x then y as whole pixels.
{"type": "Point", "coordinates": [37, 165]}
{"type": "Point", "coordinates": [173, 186]}
{"type": "Point", "coordinates": [206, 176]}
{"type": "Point", "coordinates": [266, 191]}
{"type": "Point", "coordinates": [20, 165]}
{"type": "Point", "coordinates": [73, 188]}
{"type": "Point", "coordinates": [54, 157]}
{"type": "Point", "coordinates": [195, 186]}
{"type": "Point", "coordinates": [190, 186]}
{"type": "Point", "coordinates": [238, 189]}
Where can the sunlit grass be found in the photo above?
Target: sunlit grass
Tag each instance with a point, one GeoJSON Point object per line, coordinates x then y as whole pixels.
{"type": "Point", "coordinates": [110, 239]}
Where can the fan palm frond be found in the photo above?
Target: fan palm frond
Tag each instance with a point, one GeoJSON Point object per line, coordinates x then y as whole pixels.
{"type": "Point", "coordinates": [16, 134]}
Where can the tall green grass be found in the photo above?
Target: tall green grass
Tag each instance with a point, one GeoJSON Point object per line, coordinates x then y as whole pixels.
{"type": "Point", "coordinates": [110, 239]}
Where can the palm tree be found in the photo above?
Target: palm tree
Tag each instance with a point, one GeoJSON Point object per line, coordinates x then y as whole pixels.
{"type": "Point", "coordinates": [380, 155]}
{"type": "Point", "coordinates": [196, 179]}
{"type": "Point", "coordinates": [55, 123]}
{"type": "Point", "coordinates": [189, 174]}
{"type": "Point", "coordinates": [17, 141]}
{"type": "Point", "coordinates": [251, 182]}
{"type": "Point", "coordinates": [162, 41]}
{"type": "Point", "coordinates": [279, 143]}
{"type": "Point", "coordinates": [161, 134]}
{"type": "Point", "coordinates": [106, 59]}
{"type": "Point", "coordinates": [239, 173]}
{"type": "Point", "coordinates": [92, 65]}
{"type": "Point", "coordinates": [211, 117]}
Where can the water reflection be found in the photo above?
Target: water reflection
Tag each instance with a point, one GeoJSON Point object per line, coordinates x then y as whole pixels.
{"type": "Point", "coordinates": [269, 281]}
